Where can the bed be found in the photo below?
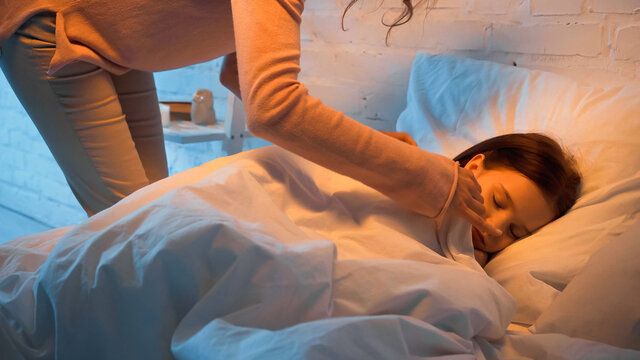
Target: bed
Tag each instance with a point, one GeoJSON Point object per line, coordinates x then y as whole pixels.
{"type": "Point", "coordinates": [265, 255]}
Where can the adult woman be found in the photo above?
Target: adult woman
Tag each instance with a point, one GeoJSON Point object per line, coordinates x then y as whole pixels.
{"type": "Point", "coordinates": [82, 71]}
{"type": "Point", "coordinates": [527, 181]}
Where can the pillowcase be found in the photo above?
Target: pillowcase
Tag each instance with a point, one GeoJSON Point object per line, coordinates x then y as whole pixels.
{"type": "Point", "coordinates": [602, 302]}
{"type": "Point", "coordinates": [455, 102]}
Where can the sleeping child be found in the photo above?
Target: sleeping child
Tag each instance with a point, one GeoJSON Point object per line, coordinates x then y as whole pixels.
{"type": "Point", "coordinates": [527, 181]}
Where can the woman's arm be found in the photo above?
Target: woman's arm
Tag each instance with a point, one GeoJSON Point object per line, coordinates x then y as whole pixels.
{"type": "Point", "coordinates": [279, 109]}
{"type": "Point", "coordinates": [229, 78]}
{"type": "Point", "coordinates": [229, 74]}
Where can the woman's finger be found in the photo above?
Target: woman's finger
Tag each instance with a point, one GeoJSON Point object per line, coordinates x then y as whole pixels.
{"type": "Point", "coordinates": [476, 194]}
{"type": "Point", "coordinates": [476, 206]}
{"type": "Point", "coordinates": [480, 223]}
{"type": "Point", "coordinates": [404, 137]}
{"type": "Point", "coordinates": [466, 179]}
{"type": "Point", "coordinates": [409, 140]}
{"type": "Point", "coordinates": [476, 184]}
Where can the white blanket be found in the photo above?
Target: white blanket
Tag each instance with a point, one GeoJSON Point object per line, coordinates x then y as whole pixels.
{"type": "Point", "coordinates": [262, 255]}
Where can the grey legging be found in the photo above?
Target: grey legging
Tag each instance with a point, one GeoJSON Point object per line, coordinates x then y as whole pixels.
{"type": "Point", "coordinates": [103, 130]}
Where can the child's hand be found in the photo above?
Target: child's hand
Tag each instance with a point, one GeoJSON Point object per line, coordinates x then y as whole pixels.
{"type": "Point", "coordinates": [481, 257]}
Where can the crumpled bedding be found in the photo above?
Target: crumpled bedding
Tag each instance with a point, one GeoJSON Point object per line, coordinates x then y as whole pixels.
{"type": "Point", "coordinates": [261, 255]}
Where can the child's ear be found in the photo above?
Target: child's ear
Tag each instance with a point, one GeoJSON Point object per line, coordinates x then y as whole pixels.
{"type": "Point", "coordinates": [476, 164]}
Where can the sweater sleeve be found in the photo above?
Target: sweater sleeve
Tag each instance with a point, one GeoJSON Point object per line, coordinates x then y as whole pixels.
{"type": "Point", "coordinates": [279, 109]}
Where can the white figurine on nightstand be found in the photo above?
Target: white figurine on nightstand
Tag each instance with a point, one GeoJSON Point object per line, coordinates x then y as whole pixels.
{"type": "Point", "coordinates": [202, 112]}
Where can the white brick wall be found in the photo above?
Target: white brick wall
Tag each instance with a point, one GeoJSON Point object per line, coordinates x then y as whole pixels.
{"type": "Point", "coordinates": [615, 6]}
{"type": "Point", "coordinates": [555, 39]}
{"type": "Point", "coordinates": [627, 44]}
{"type": "Point", "coordinates": [492, 6]}
{"type": "Point", "coordinates": [556, 7]}
{"type": "Point", "coordinates": [356, 73]}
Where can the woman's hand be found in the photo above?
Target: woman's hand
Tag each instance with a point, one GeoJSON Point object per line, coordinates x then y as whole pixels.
{"type": "Point", "coordinates": [468, 203]}
{"type": "Point", "coordinates": [402, 136]}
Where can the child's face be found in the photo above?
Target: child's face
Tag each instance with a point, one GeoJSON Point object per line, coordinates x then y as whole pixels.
{"type": "Point", "coordinates": [513, 203]}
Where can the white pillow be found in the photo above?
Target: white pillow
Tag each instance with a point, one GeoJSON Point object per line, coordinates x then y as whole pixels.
{"type": "Point", "coordinates": [612, 316]}
{"type": "Point", "coordinates": [455, 102]}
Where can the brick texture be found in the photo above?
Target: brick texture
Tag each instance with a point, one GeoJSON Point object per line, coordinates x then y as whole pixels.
{"type": "Point", "coordinates": [555, 7]}
{"type": "Point", "coordinates": [627, 43]}
{"type": "Point", "coordinates": [451, 4]}
{"type": "Point", "coordinates": [556, 39]}
{"type": "Point", "coordinates": [615, 6]}
{"type": "Point", "coordinates": [459, 35]}
{"type": "Point", "coordinates": [491, 6]}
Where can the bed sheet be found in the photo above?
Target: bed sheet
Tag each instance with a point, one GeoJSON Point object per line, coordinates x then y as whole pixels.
{"type": "Point", "coordinates": [260, 255]}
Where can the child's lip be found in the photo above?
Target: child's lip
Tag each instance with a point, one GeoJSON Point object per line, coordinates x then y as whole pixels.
{"type": "Point", "coordinates": [477, 237]}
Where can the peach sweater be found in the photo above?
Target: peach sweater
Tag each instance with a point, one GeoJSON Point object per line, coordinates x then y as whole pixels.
{"type": "Point", "coordinates": [119, 35]}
